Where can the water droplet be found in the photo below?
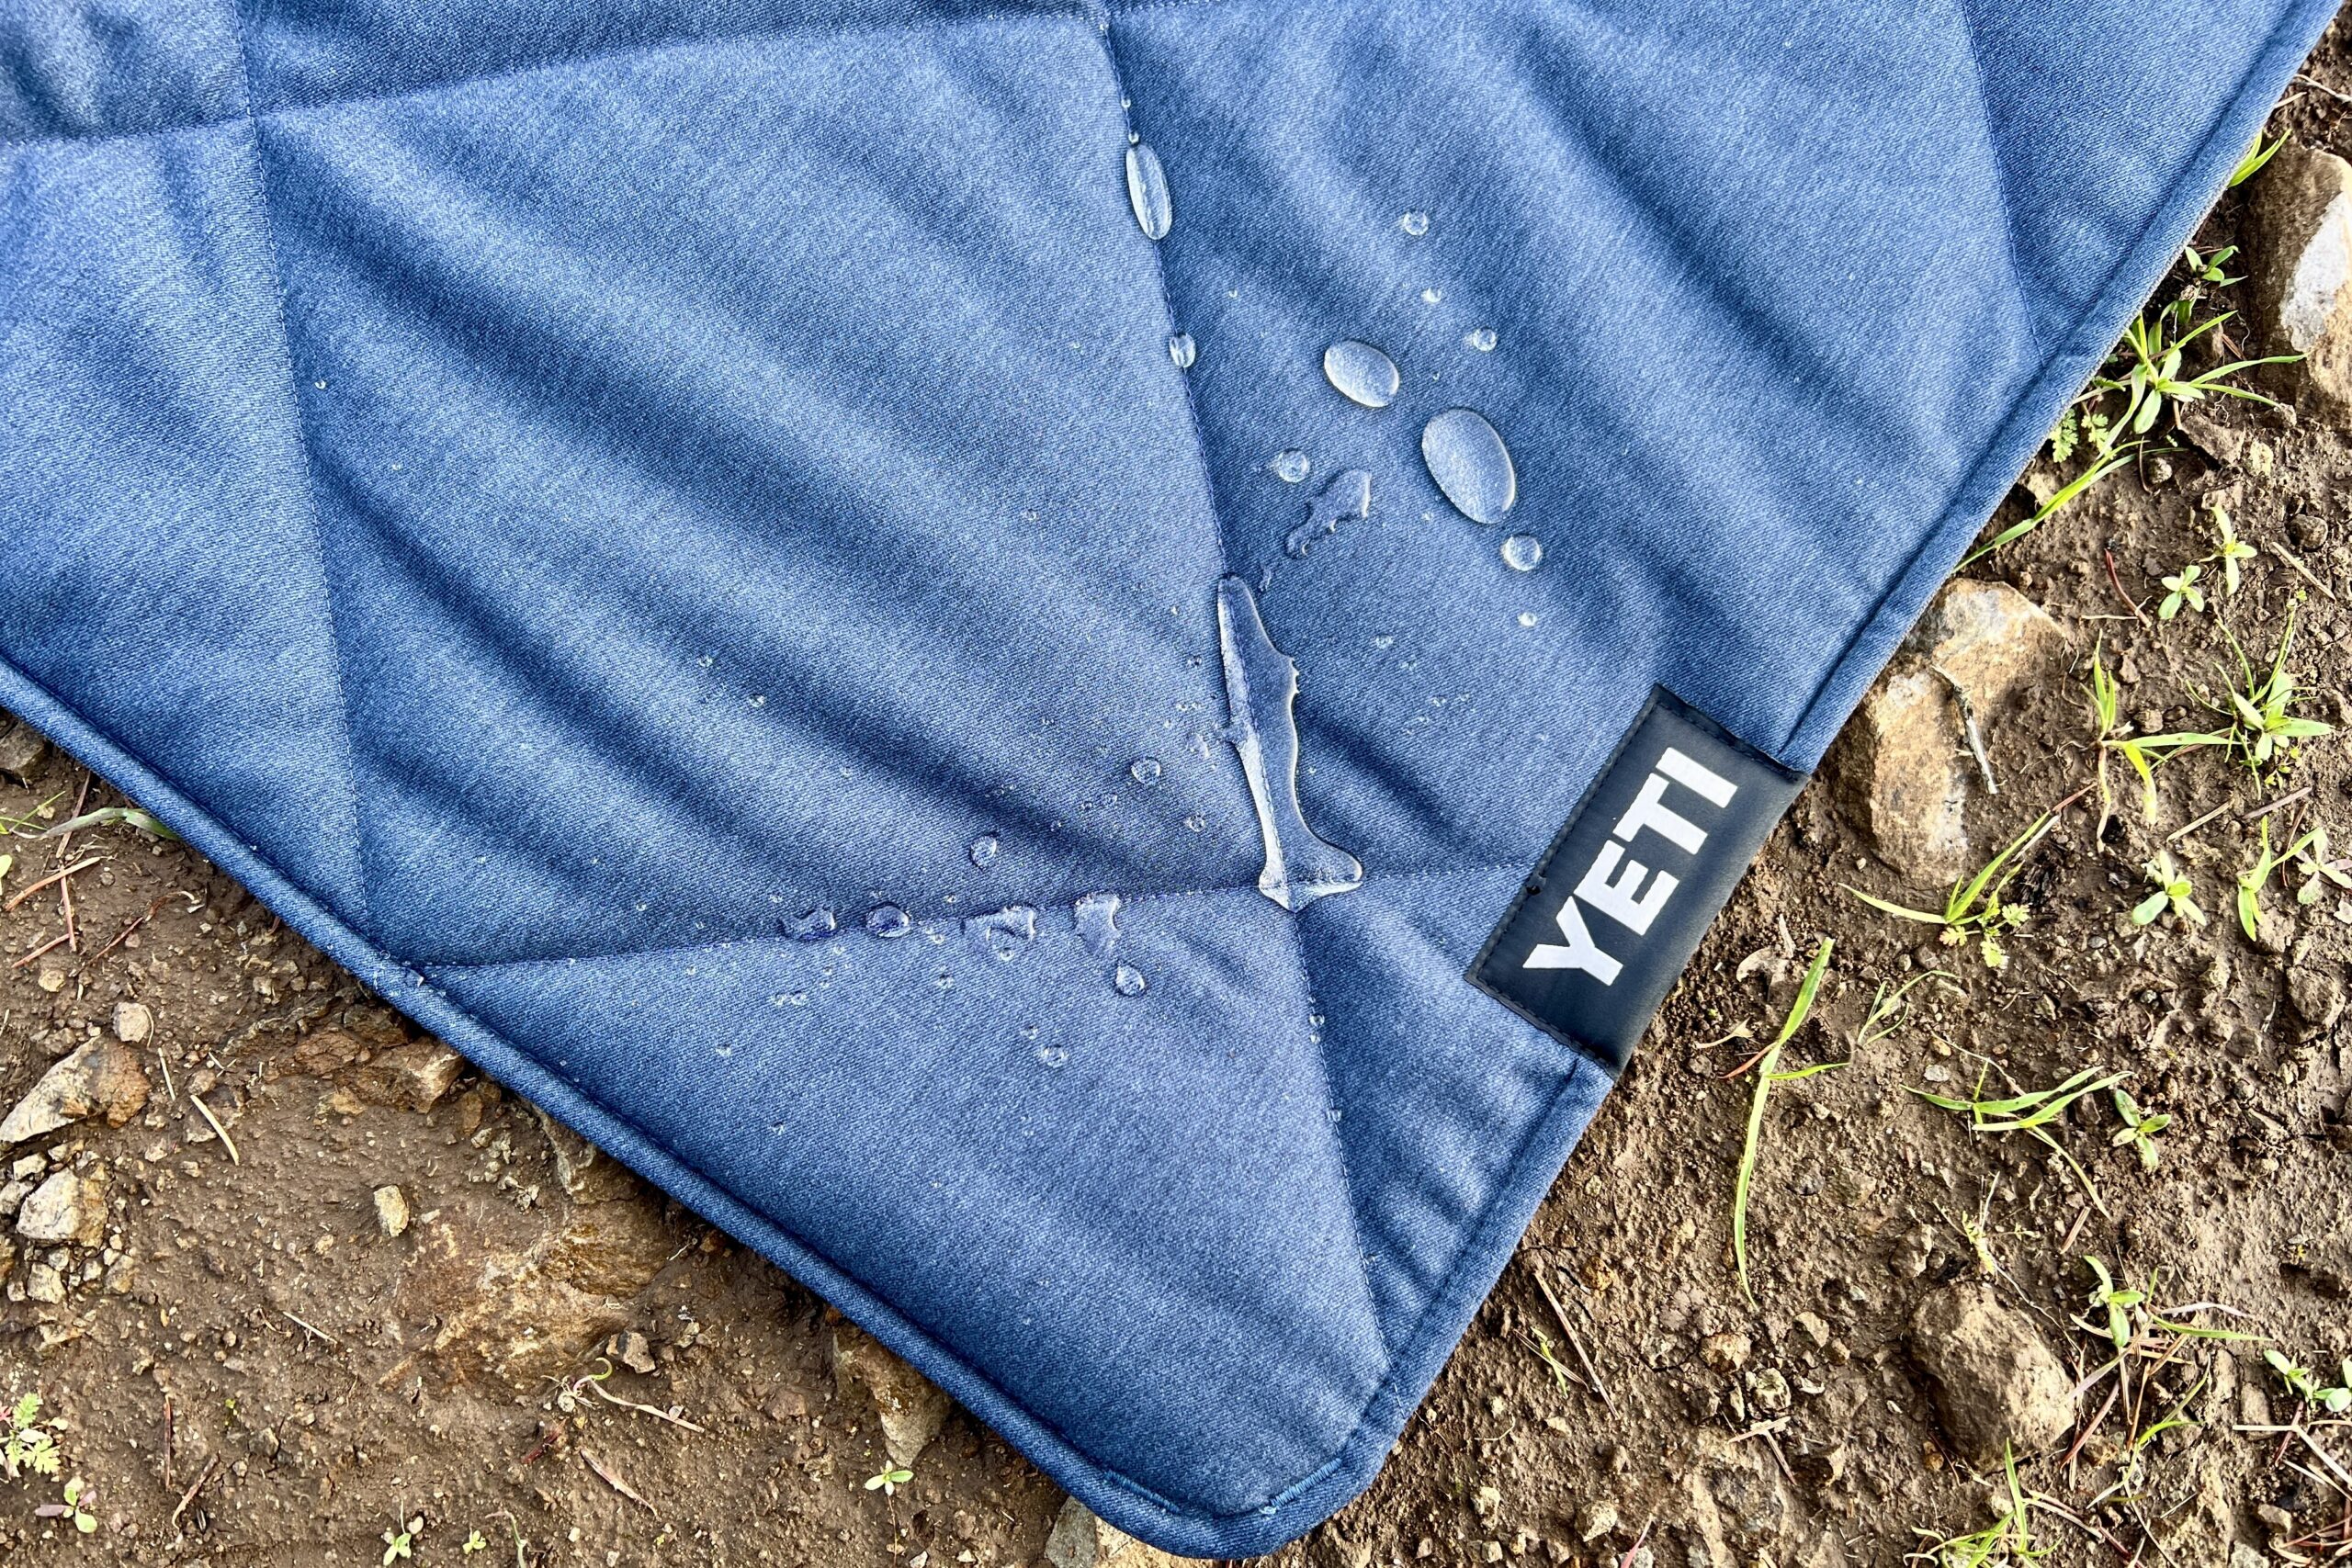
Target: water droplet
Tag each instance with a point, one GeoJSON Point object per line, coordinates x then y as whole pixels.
{"type": "Point", "coordinates": [797, 999]}
{"type": "Point", "coordinates": [1005, 933]}
{"type": "Point", "coordinates": [1128, 981]}
{"type": "Point", "coordinates": [1470, 464]}
{"type": "Point", "coordinates": [1053, 1055]}
{"type": "Point", "coordinates": [983, 852]}
{"type": "Point", "coordinates": [943, 980]}
{"type": "Point", "coordinates": [814, 926]}
{"type": "Point", "coordinates": [1196, 823]}
{"type": "Point", "coordinates": [1430, 296]}
{"type": "Point", "coordinates": [1260, 688]}
{"type": "Point", "coordinates": [1291, 466]}
{"type": "Point", "coordinates": [1481, 338]}
{"type": "Point", "coordinates": [1522, 552]}
{"type": "Point", "coordinates": [1527, 617]}
{"type": "Point", "coordinates": [1148, 191]}
{"type": "Point", "coordinates": [1098, 922]}
{"type": "Point", "coordinates": [1383, 641]}
{"type": "Point", "coordinates": [1414, 223]}
{"type": "Point", "coordinates": [1347, 499]}
{"type": "Point", "coordinates": [887, 920]}
{"type": "Point", "coordinates": [1362, 373]}
{"type": "Point", "coordinates": [1183, 350]}
{"type": "Point", "coordinates": [1144, 769]}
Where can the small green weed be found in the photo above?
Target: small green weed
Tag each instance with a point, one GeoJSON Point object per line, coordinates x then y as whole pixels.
{"type": "Point", "coordinates": [2174, 891]}
{"type": "Point", "coordinates": [2305, 1384]}
{"type": "Point", "coordinates": [401, 1540]}
{"type": "Point", "coordinates": [2264, 729]}
{"type": "Point", "coordinates": [2254, 878]}
{"type": "Point", "coordinates": [890, 1479]}
{"type": "Point", "coordinates": [2030, 1113]}
{"type": "Point", "coordinates": [1975, 908]}
{"type": "Point", "coordinates": [2009, 1540]}
{"type": "Point", "coordinates": [1890, 1011]}
{"type": "Point", "coordinates": [2255, 156]}
{"type": "Point", "coordinates": [25, 1444]}
{"type": "Point", "coordinates": [2107, 701]}
{"type": "Point", "coordinates": [2140, 1129]}
{"type": "Point", "coordinates": [1767, 1073]}
{"type": "Point", "coordinates": [2181, 590]}
{"type": "Point", "coordinates": [2230, 552]}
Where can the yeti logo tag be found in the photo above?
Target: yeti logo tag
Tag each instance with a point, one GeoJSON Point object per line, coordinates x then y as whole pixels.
{"type": "Point", "coordinates": [1620, 901]}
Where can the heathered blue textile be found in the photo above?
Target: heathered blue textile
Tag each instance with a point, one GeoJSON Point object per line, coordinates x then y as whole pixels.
{"type": "Point", "coordinates": [550, 493]}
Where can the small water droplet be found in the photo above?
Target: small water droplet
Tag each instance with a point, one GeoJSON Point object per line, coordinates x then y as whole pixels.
{"type": "Point", "coordinates": [1098, 922]}
{"type": "Point", "coordinates": [796, 999]}
{"type": "Point", "coordinates": [1383, 641]}
{"type": "Point", "coordinates": [1414, 223]}
{"type": "Point", "coordinates": [816, 925]}
{"type": "Point", "coordinates": [1128, 981]}
{"type": "Point", "coordinates": [1293, 466]}
{"type": "Point", "coordinates": [1148, 191]}
{"type": "Point", "coordinates": [943, 980]}
{"type": "Point", "coordinates": [1183, 350]}
{"type": "Point", "coordinates": [1483, 339]}
{"type": "Point", "coordinates": [1522, 552]}
{"type": "Point", "coordinates": [1347, 499]}
{"type": "Point", "coordinates": [759, 701]}
{"type": "Point", "coordinates": [984, 851]}
{"type": "Point", "coordinates": [1527, 617]}
{"type": "Point", "coordinates": [1196, 823]}
{"type": "Point", "coordinates": [887, 920]}
{"type": "Point", "coordinates": [1430, 296]}
{"type": "Point", "coordinates": [1144, 769]}
{"type": "Point", "coordinates": [1005, 933]}
{"type": "Point", "coordinates": [1053, 1055]}
{"type": "Point", "coordinates": [1361, 373]}
{"type": "Point", "coordinates": [1470, 464]}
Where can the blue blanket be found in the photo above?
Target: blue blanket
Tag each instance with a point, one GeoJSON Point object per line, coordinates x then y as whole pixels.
{"type": "Point", "coordinates": [745, 561]}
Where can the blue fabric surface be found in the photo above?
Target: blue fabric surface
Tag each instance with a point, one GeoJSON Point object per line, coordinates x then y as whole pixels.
{"type": "Point", "coordinates": [550, 495]}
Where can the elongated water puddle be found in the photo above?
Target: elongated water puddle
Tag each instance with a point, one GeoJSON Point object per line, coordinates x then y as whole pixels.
{"type": "Point", "coordinates": [1260, 693]}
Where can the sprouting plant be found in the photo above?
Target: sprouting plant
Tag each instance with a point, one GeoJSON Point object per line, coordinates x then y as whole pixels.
{"type": "Point", "coordinates": [2106, 702]}
{"type": "Point", "coordinates": [1975, 908]}
{"type": "Point", "coordinates": [2117, 1302]}
{"type": "Point", "coordinates": [2229, 549]}
{"type": "Point", "coordinates": [2108, 460]}
{"type": "Point", "coordinates": [1767, 1073]}
{"type": "Point", "coordinates": [2139, 1128]}
{"type": "Point", "coordinates": [2030, 1113]}
{"type": "Point", "coordinates": [2009, 1540]}
{"type": "Point", "coordinates": [2174, 891]}
{"type": "Point", "coordinates": [398, 1541]}
{"type": "Point", "coordinates": [2305, 1384]}
{"type": "Point", "coordinates": [2154, 347]}
{"type": "Point", "coordinates": [2204, 269]}
{"type": "Point", "coordinates": [25, 1444]}
{"type": "Point", "coordinates": [2255, 156]}
{"type": "Point", "coordinates": [129, 816]}
{"type": "Point", "coordinates": [2254, 878]}
{"type": "Point", "coordinates": [474, 1544]}
{"type": "Point", "coordinates": [889, 1480]}
{"type": "Point", "coordinates": [70, 1508]}
{"type": "Point", "coordinates": [2312, 864]}
{"type": "Point", "coordinates": [1542, 1343]}
{"type": "Point", "coordinates": [1890, 1011]}
{"type": "Point", "coordinates": [2180, 589]}
{"type": "Point", "coordinates": [2262, 710]}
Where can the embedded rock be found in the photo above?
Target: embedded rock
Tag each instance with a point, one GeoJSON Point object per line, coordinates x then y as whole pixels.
{"type": "Point", "coordinates": [66, 1207]}
{"type": "Point", "coordinates": [2299, 245]}
{"type": "Point", "coordinates": [21, 748]}
{"type": "Point", "coordinates": [102, 1078]}
{"type": "Point", "coordinates": [1078, 1540]}
{"type": "Point", "coordinates": [1997, 1382]}
{"type": "Point", "coordinates": [910, 1410]}
{"type": "Point", "coordinates": [1903, 766]}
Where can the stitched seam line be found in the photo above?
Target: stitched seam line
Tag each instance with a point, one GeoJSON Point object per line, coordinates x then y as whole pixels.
{"type": "Point", "coordinates": [309, 482]}
{"type": "Point", "coordinates": [769, 938]}
{"type": "Point", "coordinates": [1993, 156]}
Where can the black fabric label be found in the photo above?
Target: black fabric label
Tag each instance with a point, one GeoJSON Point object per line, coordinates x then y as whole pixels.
{"type": "Point", "coordinates": [1601, 929]}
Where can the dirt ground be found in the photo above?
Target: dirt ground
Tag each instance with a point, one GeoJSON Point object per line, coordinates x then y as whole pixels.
{"type": "Point", "coordinates": [229, 1359]}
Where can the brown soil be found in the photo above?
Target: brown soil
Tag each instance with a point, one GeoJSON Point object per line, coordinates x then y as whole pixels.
{"type": "Point", "coordinates": [248, 1369]}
